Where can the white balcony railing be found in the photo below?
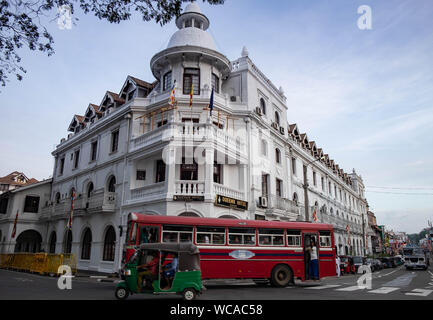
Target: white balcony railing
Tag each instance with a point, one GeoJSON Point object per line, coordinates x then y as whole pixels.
{"type": "Point", "coordinates": [190, 188]}
{"type": "Point", "coordinates": [284, 204]}
{"type": "Point", "coordinates": [228, 192]}
{"type": "Point", "coordinates": [149, 192]}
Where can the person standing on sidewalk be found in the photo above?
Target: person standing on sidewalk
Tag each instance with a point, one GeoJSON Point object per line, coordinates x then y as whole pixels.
{"type": "Point", "coordinates": [337, 262]}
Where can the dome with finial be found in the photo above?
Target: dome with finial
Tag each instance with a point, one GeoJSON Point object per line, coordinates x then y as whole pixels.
{"type": "Point", "coordinates": [244, 52]}
{"type": "Point", "coordinates": [192, 26]}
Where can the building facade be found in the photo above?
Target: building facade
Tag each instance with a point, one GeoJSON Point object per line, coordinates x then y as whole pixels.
{"type": "Point", "coordinates": [241, 159]}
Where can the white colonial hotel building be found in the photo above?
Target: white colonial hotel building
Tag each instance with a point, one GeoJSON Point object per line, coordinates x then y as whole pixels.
{"type": "Point", "coordinates": [134, 152]}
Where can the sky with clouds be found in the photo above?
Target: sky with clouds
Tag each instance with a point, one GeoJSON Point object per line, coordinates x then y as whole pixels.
{"type": "Point", "coordinates": [364, 96]}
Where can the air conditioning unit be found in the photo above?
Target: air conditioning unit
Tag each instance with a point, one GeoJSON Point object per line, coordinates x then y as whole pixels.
{"type": "Point", "coordinates": [263, 202]}
{"type": "Point", "coordinates": [282, 130]}
{"type": "Point", "coordinates": [258, 111]}
{"type": "Point", "coordinates": [274, 125]}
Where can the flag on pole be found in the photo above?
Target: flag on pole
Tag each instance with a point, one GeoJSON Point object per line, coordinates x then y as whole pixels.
{"type": "Point", "coordinates": [315, 215]}
{"type": "Point", "coordinates": [190, 95]}
{"type": "Point", "coordinates": [72, 210]}
{"type": "Point", "coordinates": [14, 230]}
{"type": "Point", "coordinates": [172, 100]}
{"type": "Point", "coordinates": [211, 103]}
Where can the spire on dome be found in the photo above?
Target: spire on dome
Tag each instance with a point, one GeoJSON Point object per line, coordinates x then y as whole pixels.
{"type": "Point", "coordinates": [192, 17]}
{"type": "Point", "coordinates": [244, 52]}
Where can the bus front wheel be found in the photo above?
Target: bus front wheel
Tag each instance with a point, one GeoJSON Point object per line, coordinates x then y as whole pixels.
{"type": "Point", "coordinates": [281, 276]}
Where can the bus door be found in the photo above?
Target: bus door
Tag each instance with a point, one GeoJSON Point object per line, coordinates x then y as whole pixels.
{"type": "Point", "coordinates": [326, 254]}
{"type": "Point", "coordinates": [308, 239]}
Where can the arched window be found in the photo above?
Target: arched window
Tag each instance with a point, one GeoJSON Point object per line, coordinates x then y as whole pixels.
{"type": "Point", "coordinates": [90, 189]}
{"type": "Point", "coordinates": [67, 244]}
{"type": "Point", "coordinates": [263, 105]}
{"type": "Point", "coordinates": [295, 198]}
{"type": "Point", "coordinates": [277, 155]}
{"type": "Point", "coordinates": [112, 184]}
{"type": "Point", "coordinates": [53, 240]}
{"type": "Point", "coordinates": [57, 198]}
{"type": "Point", "coordinates": [86, 245]}
{"type": "Point", "coordinates": [109, 244]}
{"type": "Point", "coordinates": [277, 117]}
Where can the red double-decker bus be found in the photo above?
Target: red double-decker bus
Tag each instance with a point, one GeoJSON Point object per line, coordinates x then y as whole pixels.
{"type": "Point", "coordinates": [241, 249]}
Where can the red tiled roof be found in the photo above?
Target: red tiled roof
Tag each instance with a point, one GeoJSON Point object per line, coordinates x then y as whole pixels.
{"type": "Point", "coordinates": [9, 179]}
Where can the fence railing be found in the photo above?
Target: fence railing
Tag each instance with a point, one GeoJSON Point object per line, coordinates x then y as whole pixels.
{"type": "Point", "coordinates": [43, 263]}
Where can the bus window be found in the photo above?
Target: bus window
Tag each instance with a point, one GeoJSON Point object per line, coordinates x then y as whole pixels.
{"type": "Point", "coordinates": [210, 235]}
{"type": "Point", "coordinates": [134, 234]}
{"type": "Point", "coordinates": [149, 234]}
{"type": "Point", "coordinates": [325, 238]}
{"type": "Point", "coordinates": [293, 238]}
{"type": "Point", "coordinates": [242, 236]}
{"type": "Point", "coordinates": [177, 234]}
{"type": "Point", "coordinates": [271, 237]}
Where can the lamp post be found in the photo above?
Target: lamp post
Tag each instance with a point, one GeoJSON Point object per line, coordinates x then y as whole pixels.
{"type": "Point", "coordinates": [307, 215]}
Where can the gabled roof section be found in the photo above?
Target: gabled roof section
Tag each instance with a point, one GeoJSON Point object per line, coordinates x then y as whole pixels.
{"type": "Point", "coordinates": [110, 99]}
{"type": "Point", "coordinates": [17, 179]}
{"type": "Point", "coordinates": [76, 121]}
{"type": "Point", "coordinates": [136, 83]}
{"type": "Point", "coordinates": [313, 147]}
{"type": "Point", "coordinates": [92, 110]}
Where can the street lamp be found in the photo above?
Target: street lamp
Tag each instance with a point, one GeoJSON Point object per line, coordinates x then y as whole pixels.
{"type": "Point", "coordinates": [307, 216]}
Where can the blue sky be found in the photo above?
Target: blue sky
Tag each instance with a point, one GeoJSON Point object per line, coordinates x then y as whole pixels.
{"type": "Point", "coordinates": [364, 96]}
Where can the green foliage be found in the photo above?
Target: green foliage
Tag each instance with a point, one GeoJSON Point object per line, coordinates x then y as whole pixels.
{"type": "Point", "coordinates": [20, 24]}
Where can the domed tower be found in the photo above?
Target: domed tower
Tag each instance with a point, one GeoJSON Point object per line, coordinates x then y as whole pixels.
{"type": "Point", "coordinates": [191, 57]}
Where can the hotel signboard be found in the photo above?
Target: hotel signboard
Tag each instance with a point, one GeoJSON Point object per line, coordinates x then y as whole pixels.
{"type": "Point", "coordinates": [232, 203]}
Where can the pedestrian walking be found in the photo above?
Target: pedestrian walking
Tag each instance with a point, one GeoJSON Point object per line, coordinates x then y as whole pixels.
{"type": "Point", "coordinates": [337, 262]}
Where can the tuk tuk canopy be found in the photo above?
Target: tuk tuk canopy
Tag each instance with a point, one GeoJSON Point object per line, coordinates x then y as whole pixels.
{"type": "Point", "coordinates": [188, 254]}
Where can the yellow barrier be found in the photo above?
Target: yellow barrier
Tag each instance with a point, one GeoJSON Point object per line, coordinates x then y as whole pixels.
{"type": "Point", "coordinates": [42, 263]}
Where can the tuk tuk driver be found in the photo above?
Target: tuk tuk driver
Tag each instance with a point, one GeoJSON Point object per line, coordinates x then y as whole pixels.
{"type": "Point", "coordinates": [149, 270]}
{"type": "Point", "coordinates": [169, 272]}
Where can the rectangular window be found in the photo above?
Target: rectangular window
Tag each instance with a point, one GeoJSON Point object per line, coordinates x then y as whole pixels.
{"type": "Point", "coordinates": [31, 204]}
{"type": "Point", "coordinates": [314, 179]}
{"type": "Point", "coordinates": [141, 175]}
{"type": "Point", "coordinates": [188, 170]}
{"type": "Point", "coordinates": [217, 173]}
{"type": "Point", "coordinates": [160, 171]}
{"type": "Point", "coordinates": [61, 166]}
{"type": "Point", "coordinates": [166, 83]}
{"type": "Point", "coordinates": [210, 235]}
{"type": "Point", "coordinates": [93, 149]}
{"type": "Point", "coordinates": [161, 123]}
{"type": "Point", "coordinates": [265, 185]}
{"type": "Point", "coordinates": [242, 236]}
{"type": "Point", "coordinates": [323, 183]}
{"type": "Point", "coordinates": [293, 238]}
{"type": "Point", "coordinates": [294, 166]}
{"type": "Point", "coordinates": [279, 187]}
{"type": "Point", "coordinates": [3, 206]}
{"type": "Point", "coordinates": [114, 140]}
{"type": "Point", "coordinates": [177, 234]}
{"type": "Point", "coordinates": [191, 77]}
{"type": "Point", "coordinates": [76, 158]}
{"type": "Point", "coordinates": [215, 83]}
{"type": "Point", "coordinates": [329, 188]}
{"type": "Point", "coordinates": [325, 239]}
{"type": "Point", "coordinates": [271, 237]}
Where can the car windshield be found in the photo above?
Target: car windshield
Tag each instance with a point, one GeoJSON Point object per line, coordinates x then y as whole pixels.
{"type": "Point", "coordinates": [357, 260]}
{"type": "Point", "coordinates": [343, 259]}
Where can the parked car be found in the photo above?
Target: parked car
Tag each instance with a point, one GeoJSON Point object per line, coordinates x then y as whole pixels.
{"type": "Point", "coordinates": [346, 265]}
{"type": "Point", "coordinates": [386, 262]}
{"type": "Point", "coordinates": [358, 261]}
{"type": "Point", "coordinates": [378, 264]}
{"type": "Point", "coordinates": [372, 264]}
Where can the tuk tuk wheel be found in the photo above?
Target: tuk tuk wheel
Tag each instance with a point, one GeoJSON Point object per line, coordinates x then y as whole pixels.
{"type": "Point", "coordinates": [121, 293]}
{"type": "Point", "coordinates": [189, 294]}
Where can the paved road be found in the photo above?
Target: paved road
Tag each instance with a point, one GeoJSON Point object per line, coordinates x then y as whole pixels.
{"type": "Point", "coordinates": [388, 284]}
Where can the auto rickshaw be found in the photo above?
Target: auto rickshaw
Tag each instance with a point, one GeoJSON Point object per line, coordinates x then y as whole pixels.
{"type": "Point", "coordinates": [347, 266]}
{"type": "Point", "coordinates": [148, 271]}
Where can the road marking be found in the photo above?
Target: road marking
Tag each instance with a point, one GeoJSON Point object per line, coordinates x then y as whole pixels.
{"type": "Point", "coordinates": [419, 292]}
{"type": "Point", "coordinates": [325, 287]}
{"type": "Point", "coordinates": [430, 273]}
{"type": "Point", "coordinates": [352, 288]}
{"type": "Point", "coordinates": [384, 290]}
